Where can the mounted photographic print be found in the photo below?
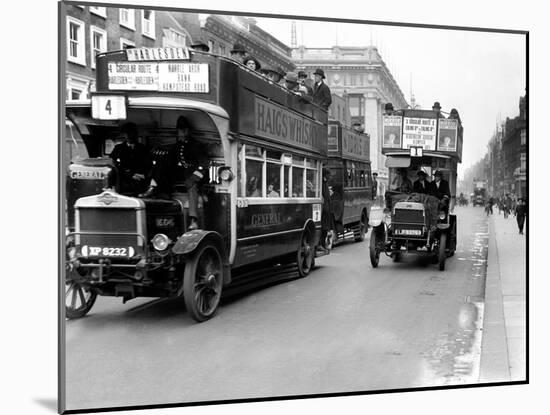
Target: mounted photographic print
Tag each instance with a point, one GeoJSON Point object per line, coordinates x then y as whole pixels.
{"type": "Point", "coordinates": [260, 207]}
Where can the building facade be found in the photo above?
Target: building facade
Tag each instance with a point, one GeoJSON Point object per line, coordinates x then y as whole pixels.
{"type": "Point", "coordinates": [360, 75]}
{"type": "Point", "coordinates": [514, 148]}
{"type": "Point", "coordinates": [91, 30]}
{"type": "Point", "coordinates": [220, 33]}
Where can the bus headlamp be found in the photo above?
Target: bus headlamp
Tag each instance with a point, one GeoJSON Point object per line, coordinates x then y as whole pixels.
{"type": "Point", "coordinates": [442, 215]}
{"type": "Point", "coordinates": [225, 173]}
{"type": "Point", "coordinates": [160, 242]}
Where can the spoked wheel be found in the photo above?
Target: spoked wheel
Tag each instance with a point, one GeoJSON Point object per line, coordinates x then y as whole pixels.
{"type": "Point", "coordinates": [442, 254]}
{"type": "Point", "coordinates": [374, 250]}
{"type": "Point", "coordinates": [305, 254]}
{"type": "Point", "coordinates": [360, 236]}
{"type": "Point", "coordinates": [79, 299]}
{"type": "Point", "coordinates": [202, 283]}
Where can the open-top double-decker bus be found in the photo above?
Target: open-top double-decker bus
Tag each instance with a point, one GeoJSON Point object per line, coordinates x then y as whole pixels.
{"type": "Point", "coordinates": [260, 199]}
{"type": "Point", "coordinates": [418, 219]}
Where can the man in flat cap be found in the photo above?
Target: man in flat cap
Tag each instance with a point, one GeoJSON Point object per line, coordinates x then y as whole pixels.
{"type": "Point", "coordinates": [321, 91]}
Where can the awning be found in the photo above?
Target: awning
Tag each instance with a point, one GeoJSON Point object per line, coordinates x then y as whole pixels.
{"type": "Point", "coordinates": [398, 161]}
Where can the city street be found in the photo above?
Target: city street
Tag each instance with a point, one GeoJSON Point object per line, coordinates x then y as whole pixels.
{"type": "Point", "coordinates": [346, 327]}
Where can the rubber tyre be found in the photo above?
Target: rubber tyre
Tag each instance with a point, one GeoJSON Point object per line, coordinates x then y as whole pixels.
{"type": "Point", "coordinates": [363, 227]}
{"type": "Point", "coordinates": [442, 255]}
{"type": "Point", "coordinates": [203, 282]}
{"type": "Point", "coordinates": [305, 253]}
{"type": "Point", "coordinates": [373, 250]}
{"type": "Point", "coordinates": [81, 299]}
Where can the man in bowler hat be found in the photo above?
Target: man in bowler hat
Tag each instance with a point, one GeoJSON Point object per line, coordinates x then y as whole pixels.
{"type": "Point", "coordinates": [321, 91]}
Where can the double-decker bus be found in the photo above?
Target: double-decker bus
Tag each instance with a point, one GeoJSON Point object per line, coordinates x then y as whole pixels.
{"type": "Point", "coordinates": [350, 181]}
{"type": "Point", "coordinates": [419, 215]}
{"type": "Point", "coordinates": [259, 204]}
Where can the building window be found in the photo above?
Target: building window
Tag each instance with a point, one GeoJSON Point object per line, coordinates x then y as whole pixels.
{"type": "Point", "coordinates": [148, 23]}
{"type": "Point", "coordinates": [211, 46]}
{"type": "Point", "coordinates": [523, 162]}
{"type": "Point", "coordinates": [98, 40]}
{"type": "Point", "coordinates": [100, 11]}
{"type": "Point", "coordinates": [74, 94]}
{"type": "Point", "coordinates": [127, 18]}
{"type": "Point", "coordinates": [126, 44]}
{"type": "Point", "coordinates": [177, 37]}
{"type": "Point", "coordinates": [356, 105]}
{"type": "Point", "coordinates": [75, 41]}
{"type": "Point", "coordinates": [222, 50]}
{"type": "Point", "coordinates": [523, 137]}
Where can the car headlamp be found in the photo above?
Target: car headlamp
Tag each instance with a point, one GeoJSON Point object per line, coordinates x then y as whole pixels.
{"type": "Point", "coordinates": [160, 242]}
{"type": "Point", "coordinates": [442, 215]}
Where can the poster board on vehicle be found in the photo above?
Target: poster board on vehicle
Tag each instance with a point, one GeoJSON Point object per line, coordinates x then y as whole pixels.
{"type": "Point", "coordinates": [392, 125]}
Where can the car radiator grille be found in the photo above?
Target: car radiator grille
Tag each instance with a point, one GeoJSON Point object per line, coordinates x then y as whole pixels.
{"type": "Point", "coordinates": [408, 216]}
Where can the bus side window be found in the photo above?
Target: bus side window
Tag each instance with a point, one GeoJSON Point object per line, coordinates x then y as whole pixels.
{"type": "Point", "coordinates": [254, 166]}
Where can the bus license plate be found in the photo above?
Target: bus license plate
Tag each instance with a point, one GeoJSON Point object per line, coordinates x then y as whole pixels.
{"type": "Point", "coordinates": [107, 251]}
{"type": "Point", "coordinates": [316, 216]}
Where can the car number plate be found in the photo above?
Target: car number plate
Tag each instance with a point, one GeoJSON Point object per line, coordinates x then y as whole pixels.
{"type": "Point", "coordinates": [408, 232]}
{"type": "Point", "coordinates": [107, 251]}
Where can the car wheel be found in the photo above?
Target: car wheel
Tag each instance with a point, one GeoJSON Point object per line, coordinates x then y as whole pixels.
{"type": "Point", "coordinates": [360, 236]}
{"type": "Point", "coordinates": [442, 254]}
{"type": "Point", "coordinates": [374, 251]}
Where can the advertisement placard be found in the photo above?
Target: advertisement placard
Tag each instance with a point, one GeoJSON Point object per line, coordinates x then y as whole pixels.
{"type": "Point", "coordinates": [447, 136]}
{"type": "Point", "coordinates": [392, 131]}
{"type": "Point", "coordinates": [419, 132]}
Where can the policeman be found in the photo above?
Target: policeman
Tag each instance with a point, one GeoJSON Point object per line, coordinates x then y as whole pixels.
{"type": "Point", "coordinates": [132, 160]}
{"type": "Point", "coordinates": [181, 172]}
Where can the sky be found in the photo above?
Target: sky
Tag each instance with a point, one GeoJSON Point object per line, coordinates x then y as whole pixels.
{"type": "Point", "coordinates": [481, 74]}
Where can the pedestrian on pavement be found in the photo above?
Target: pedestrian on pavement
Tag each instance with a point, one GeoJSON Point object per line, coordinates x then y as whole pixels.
{"type": "Point", "coordinates": [521, 212]}
{"type": "Point", "coordinates": [321, 91]}
{"type": "Point", "coordinates": [327, 221]}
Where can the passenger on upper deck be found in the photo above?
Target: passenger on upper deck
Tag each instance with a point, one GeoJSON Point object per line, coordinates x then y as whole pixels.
{"type": "Point", "coordinates": [252, 63]}
{"type": "Point", "coordinates": [437, 107]}
{"type": "Point", "coordinates": [274, 75]}
{"type": "Point", "coordinates": [200, 46]}
{"type": "Point", "coordinates": [321, 91]}
{"type": "Point", "coordinates": [238, 52]}
{"type": "Point", "coordinates": [291, 83]}
{"type": "Point", "coordinates": [302, 80]}
{"type": "Point", "coordinates": [132, 160]}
